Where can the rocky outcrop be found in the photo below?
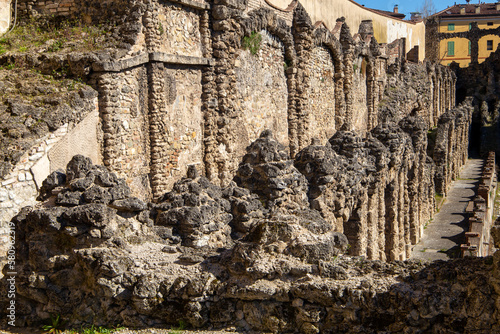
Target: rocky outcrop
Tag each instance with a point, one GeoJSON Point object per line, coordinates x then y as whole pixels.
{"type": "Point", "coordinates": [363, 187]}
{"type": "Point", "coordinates": [104, 262]}
{"type": "Point", "coordinates": [448, 150]}
{"type": "Point", "coordinates": [31, 107]}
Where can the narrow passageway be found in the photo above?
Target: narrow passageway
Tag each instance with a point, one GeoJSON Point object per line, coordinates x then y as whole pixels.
{"type": "Point", "coordinates": [444, 234]}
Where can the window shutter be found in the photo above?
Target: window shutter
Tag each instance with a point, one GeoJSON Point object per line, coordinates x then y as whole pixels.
{"type": "Point", "coordinates": [451, 48]}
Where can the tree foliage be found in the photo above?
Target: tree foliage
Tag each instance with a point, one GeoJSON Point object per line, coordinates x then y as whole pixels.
{"type": "Point", "coordinates": [428, 8]}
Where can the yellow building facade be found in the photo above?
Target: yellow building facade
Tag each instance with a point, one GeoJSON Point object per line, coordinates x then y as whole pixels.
{"type": "Point", "coordinates": [458, 21]}
{"type": "Point", "coordinates": [386, 28]}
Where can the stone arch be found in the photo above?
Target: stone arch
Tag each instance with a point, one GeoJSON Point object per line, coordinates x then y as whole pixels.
{"type": "Point", "coordinates": [265, 21]}
{"type": "Point", "coordinates": [323, 37]}
{"type": "Point", "coordinates": [433, 117]}
{"type": "Point", "coordinates": [360, 87]}
{"type": "Point", "coordinates": [231, 126]}
{"type": "Point", "coordinates": [320, 94]}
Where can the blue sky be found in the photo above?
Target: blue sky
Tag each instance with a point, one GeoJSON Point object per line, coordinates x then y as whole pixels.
{"type": "Point", "coordinates": [407, 6]}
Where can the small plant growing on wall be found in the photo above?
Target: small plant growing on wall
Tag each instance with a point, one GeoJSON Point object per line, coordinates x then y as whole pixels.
{"type": "Point", "coordinates": [287, 64]}
{"type": "Point", "coordinates": [252, 42]}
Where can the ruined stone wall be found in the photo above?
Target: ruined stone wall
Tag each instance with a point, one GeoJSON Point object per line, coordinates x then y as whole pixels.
{"type": "Point", "coordinates": [125, 125]}
{"type": "Point", "coordinates": [85, 10]}
{"type": "Point", "coordinates": [19, 187]}
{"type": "Point", "coordinates": [301, 80]}
{"type": "Point", "coordinates": [481, 82]}
{"type": "Point", "coordinates": [261, 95]}
{"type": "Point", "coordinates": [480, 213]}
{"type": "Point", "coordinates": [449, 152]}
{"type": "Point", "coordinates": [192, 89]}
{"type": "Point", "coordinates": [321, 89]}
{"type": "Point", "coordinates": [114, 259]}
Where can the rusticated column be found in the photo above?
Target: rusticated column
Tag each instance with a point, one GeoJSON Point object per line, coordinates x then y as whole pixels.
{"type": "Point", "coordinates": [356, 229]}
{"type": "Point", "coordinates": [157, 128]}
{"type": "Point", "coordinates": [108, 103]}
{"type": "Point", "coordinates": [392, 201]}
{"type": "Point", "coordinates": [382, 223]}
{"type": "Point", "coordinates": [348, 48]}
{"type": "Point", "coordinates": [371, 94]}
{"type": "Point", "coordinates": [302, 35]}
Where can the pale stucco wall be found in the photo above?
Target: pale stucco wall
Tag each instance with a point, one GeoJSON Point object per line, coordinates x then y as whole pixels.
{"type": "Point", "coordinates": [4, 16]}
{"type": "Point", "coordinates": [82, 139]}
{"type": "Point", "coordinates": [386, 29]}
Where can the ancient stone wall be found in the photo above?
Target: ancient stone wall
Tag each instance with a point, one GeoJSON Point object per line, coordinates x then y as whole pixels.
{"type": "Point", "coordinates": [300, 80]}
{"type": "Point", "coordinates": [481, 82]}
{"type": "Point", "coordinates": [256, 234]}
{"type": "Point", "coordinates": [449, 153]}
{"type": "Point", "coordinates": [200, 81]}
{"type": "Point", "coordinates": [321, 88]}
{"type": "Point", "coordinates": [114, 259]}
{"type": "Point", "coordinates": [125, 125]}
{"type": "Point", "coordinates": [480, 213]}
{"type": "Point", "coordinates": [19, 187]}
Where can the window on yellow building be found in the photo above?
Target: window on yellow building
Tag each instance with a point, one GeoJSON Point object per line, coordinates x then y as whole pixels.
{"type": "Point", "coordinates": [451, 48]}
{"type": "Point", "coordinates": [489, 45]}
{"type": "Point", "coordinates": [451, 26]}
{"type": "Point", "coordinates": [490, 23]}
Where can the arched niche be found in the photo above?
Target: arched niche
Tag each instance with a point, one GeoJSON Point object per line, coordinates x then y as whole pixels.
{"type": "Point", "coordinates": [360, 90]}
{"type": "Point", "coordinates": [321, 94]}
{"type": "Point", "coordinates": [261, 92]}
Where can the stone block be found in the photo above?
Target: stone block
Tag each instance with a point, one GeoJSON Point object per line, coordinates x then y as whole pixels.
{"type": "Point", "coordinates": [40, 170]}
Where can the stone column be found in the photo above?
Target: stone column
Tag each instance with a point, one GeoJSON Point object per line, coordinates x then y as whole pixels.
{"type": "Point", "coordinates": [348, 48]}
{"type": "Point", "coordinates": [108, 104]}
{"type": "Point", "coordinates": [382, 223]}
{"type": "Point", "coordinates": [392, 201]}
{"type": "Point", "coordinates": [157, 128]}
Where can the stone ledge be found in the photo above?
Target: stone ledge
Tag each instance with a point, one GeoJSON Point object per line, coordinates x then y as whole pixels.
{"type": "Point", "coordinates": [192, 4]}
{"type": "Point", "coordinates": [120, 65]}
{"type": "Point", "coordinates": [123, 64]}
{"type": "Point", "coordinates": [181, 60]}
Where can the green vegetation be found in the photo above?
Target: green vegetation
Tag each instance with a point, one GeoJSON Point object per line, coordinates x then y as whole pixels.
{"type": "Point", "coordinates": [55, 326]}
{"type": "Point", "coordinates": [54, 36]}
{"type": "Point", "coordinates": [9, 66]}
{"type": "Point", "coordinates": [287, 64]}
{"type": "Point", "coordinates": [179, 329]}
{"type": "Point", "coordinates": [96, 330]}
{"type": "Point", "coordinates": [252, 42]}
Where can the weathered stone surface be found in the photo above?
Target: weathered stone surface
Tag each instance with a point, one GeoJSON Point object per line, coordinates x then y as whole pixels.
{"type": "Point", "coordinates": [267, 251]}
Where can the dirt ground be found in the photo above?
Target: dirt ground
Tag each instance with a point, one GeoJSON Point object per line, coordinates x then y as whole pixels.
{"type": "Point", "coordinates": [20, 330]}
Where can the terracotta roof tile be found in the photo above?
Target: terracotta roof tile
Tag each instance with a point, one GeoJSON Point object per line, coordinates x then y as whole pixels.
{"type": "Point", "coordinates": [486, 9]}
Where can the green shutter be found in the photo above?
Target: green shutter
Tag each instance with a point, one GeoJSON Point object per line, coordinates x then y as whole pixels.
{"type": "Point", "coordinates": [470, 26]}
{"type": "Point", "coordinates": [469, 49]}
{"type": "Point", "coordinates": [451, 26]}
{"type": "Point", "coordinates": [451, 48]}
